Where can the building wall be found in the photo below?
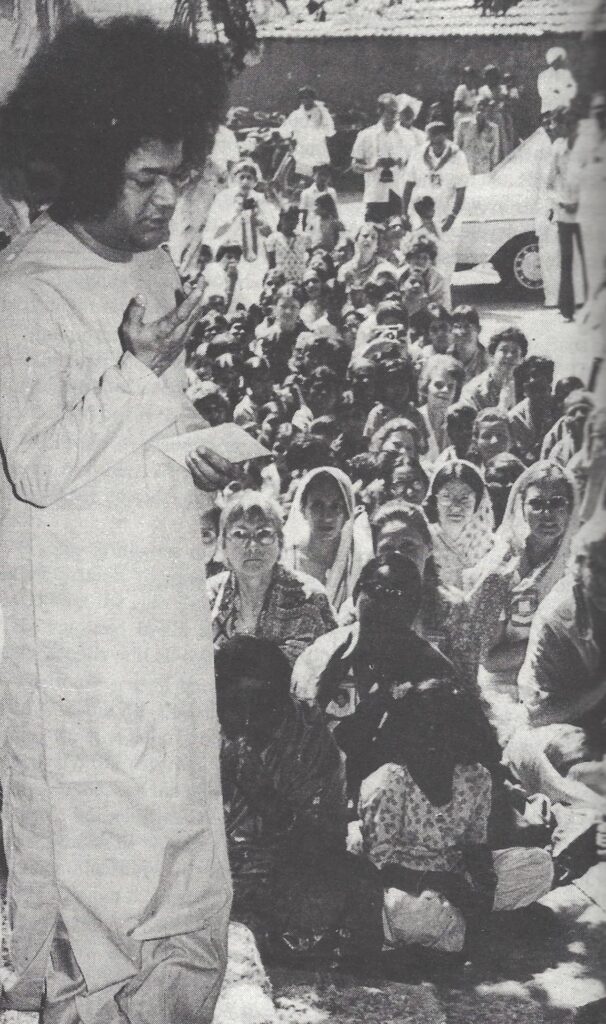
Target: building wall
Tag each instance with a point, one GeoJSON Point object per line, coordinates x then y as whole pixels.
{"type": "Point", "coordinates": [351, 72]}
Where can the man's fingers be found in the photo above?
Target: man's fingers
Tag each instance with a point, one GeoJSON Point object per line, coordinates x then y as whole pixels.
{"type": "Point", "coordinates": [216, 462]}
{"type": "Point", "coordinates": [210, 471]}
{"type": "Point", "coordinates": [135, 311]}
{"type": "Point", "coordinates": [179, 316]}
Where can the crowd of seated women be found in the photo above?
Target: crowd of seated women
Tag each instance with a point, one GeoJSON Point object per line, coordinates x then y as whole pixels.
{"type": "Point", "coordinates": [408, 598]}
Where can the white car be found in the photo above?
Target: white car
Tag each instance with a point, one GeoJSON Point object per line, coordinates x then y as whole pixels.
{"type": "Point", "coordinates": [499, 216]}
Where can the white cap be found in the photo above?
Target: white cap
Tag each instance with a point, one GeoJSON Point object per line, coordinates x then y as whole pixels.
{"type": "Point", "coordinates": [404, 100]}
{"type": "Point", "coordinates": [555, 53]}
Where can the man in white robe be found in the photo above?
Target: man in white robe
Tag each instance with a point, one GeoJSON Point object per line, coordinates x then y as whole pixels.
{"type": "Point", "coordinates": [119, 889]}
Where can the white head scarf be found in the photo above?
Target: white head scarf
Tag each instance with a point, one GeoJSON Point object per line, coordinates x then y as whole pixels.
{"type": "Point", "coordinates": [355, 546]}
{"type": "Point", "coordinates": [476, 539]}
{"type": "Point", "coordinates": [511, 537]}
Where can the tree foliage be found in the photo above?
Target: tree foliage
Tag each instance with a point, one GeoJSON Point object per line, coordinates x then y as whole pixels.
{"type": "Point", "coordinates": [228, 21]}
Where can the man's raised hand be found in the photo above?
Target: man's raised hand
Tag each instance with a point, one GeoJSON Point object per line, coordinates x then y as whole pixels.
{"type": "Point", "coordinates": [159, 343]}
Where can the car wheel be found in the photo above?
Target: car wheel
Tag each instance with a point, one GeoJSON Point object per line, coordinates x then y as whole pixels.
{"type": "Point", "coordinates": [519, 265]}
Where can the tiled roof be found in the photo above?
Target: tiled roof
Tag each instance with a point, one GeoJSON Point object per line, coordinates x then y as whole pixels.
{"type": "Point", "coordinates": [427, 18]}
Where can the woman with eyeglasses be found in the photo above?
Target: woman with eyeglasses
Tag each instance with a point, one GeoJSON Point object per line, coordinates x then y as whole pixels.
{"type": "Point", "coordinates": [460, 513]}
{"type": "Point", "coordinates": [256, 595]}
{"type": "Point", "coordinates": [532, 548]}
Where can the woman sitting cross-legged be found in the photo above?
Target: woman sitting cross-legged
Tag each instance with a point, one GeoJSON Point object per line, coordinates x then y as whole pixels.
{"type": "Point", "coordinates": [256, 594]}
{"type": "Point", "coordinates": [424, 824]}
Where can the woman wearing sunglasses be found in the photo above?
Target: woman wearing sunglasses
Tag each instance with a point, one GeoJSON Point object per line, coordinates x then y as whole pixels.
{"type": "Point", "coordinates": [531, 552]}
{"type": "Point", "coordinates": [256, 595]}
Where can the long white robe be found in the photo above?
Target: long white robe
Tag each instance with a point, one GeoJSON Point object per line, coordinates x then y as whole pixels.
{"type": "Point", "coordinates": [112, 801]}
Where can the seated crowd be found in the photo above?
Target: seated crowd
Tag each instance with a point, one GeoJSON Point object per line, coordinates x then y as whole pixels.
{"type": "Point", "coordinates": [406, 596]}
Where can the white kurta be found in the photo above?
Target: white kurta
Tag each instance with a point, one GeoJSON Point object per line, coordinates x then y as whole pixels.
{"type": "Point", "coordinates": [440, 179]}
{"type": "Point", "coordinates": [309, 129]}
{"type": "Point", "coordinates": [375, 143]}
{"type": "Point", "coordinates": [112, 801]}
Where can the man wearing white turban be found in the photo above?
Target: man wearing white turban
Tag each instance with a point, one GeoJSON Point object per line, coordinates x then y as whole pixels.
{"type": "Point", "coordinates": [556, 84]}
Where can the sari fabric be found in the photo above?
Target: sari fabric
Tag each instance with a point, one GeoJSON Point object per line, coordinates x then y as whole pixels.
{"type": "Point", "coordinates": [355, 547]}
{"type": "Point", "coordinates": [295, 612]}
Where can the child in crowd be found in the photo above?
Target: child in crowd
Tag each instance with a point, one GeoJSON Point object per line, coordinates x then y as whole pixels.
{"type": "Point", "coordinates": [320, 186]}
{"type": "Point", "coordinates": [285, 248]}
{"type": "Point", "coordinates": [324, 226]}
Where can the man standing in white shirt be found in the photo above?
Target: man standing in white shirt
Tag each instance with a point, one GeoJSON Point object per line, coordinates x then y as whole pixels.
{"type": "Point", "coordinates": [440, 170]}
{"type": "Point", "coordinates": [381, 153]}
{"type": "Point", "coordinates": [556, 84]}
{"type": "Point", "coordinates": [309, 126]}
{"type": "Point", "coordinates": [478, 139]}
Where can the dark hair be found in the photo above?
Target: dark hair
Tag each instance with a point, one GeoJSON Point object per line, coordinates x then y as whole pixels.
{"type": "Point", "coordinates": [434, 712]}
{"type": "Point", "coordinates": [404, 574]}
{"type": "Point", "coordinates": [326, 204]}
{"type": "Point", "coordinates": [205, 253]}
{"type": "Point", "coordinates": [499, 475]}
{"type": "Point", "coordinates": [322, 375]}
{"type": "Point", "coordinates": [89, 98]}
{"type": "Point", "coordinates": [325, 352]}
{"type": "Point", "coordinates": [400, 511]}
{"type": "Point", "coordinates": [459, 471]}
{"type": "Point", "coordinates": [256, 366]}
{"type": "Point", "coordinates": [307, 452]}
{"type": "Point", "coordinates": [244, 655]}
{"type": "Point", "coordinates": [418, 323]}
{"type": "Point", "coordinates": [460, 418]}
{"type": "Point", "coordinates": [387, 369]}
{"type": "Point", "coordinates": [535, 366]}
{"type": "Point", "coordinates": [230, 249]}
{"type": "Point", "coordinates": [422, 245]}
{"type": "Point", "coordinates": [564, 387]}
{"type": "Point", "coordinates": [288, 213]}
{"type": "Point", "coordinates": [460, 413]}
{"type": "Point", "coordinates": [393, 310]}
{"type": "Point", "coordinates": [504, 468]}
{"type": "Point", "coordinates": [509, 334]}
{"type": "Point", "coordinates": [467, 313]}
{"type": "Point", "coordinates": [365, 467]}
{"type": "Point", "coordinates": [424, 205]}
{"type": "Point", "coordinates": [439, 313]}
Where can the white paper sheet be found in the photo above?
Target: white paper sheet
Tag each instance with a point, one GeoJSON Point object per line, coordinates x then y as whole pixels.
{"type": "Point", "coordinates": [228, 440]}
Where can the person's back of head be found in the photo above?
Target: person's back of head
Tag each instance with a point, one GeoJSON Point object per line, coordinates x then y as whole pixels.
{"type": "Point", "coordinates": [500, 474]}
{"type": "Point", "coordinates": [459, 427]}
{"type": "Point", "coordinates": [391, 580]}
{"type": "Point", "coordinates": [253, 688]}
